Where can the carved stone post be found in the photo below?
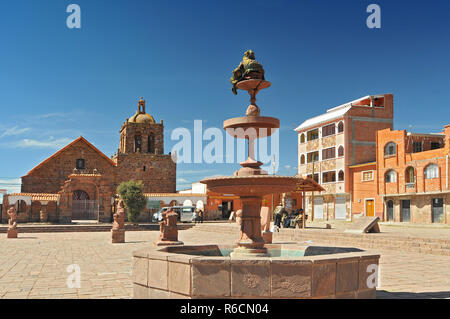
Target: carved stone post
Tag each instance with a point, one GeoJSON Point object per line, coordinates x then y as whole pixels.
{"type": "Point", "coordinates": [12, 223]}
{"type": "Point", "coordinates": [118, 229]}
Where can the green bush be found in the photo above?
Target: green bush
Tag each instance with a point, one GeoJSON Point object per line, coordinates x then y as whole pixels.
{"type": "Point", "coordinates": [133, 197]}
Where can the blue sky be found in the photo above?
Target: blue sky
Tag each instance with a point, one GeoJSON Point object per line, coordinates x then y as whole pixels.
{"type": "Point", "coordinates": [58, 83]}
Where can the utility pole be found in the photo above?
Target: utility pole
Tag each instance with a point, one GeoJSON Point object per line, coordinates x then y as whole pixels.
{"type": "Point", "coordinates": [312, 193]}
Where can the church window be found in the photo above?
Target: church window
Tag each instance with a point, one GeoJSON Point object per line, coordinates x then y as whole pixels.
{"type": "Point", "coordinates": [151, 144]}
{"type": "Point", "coordinates": [80, 163]}
{"type": "Point", "coordinates": [137, 144]}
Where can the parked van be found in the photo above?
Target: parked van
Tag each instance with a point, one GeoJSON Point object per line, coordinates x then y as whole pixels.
{"type": "Point", "coordinates": [185, 213]}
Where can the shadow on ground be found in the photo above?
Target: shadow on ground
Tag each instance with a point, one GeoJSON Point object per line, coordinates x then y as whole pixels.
{"type": "Point", "coordinates": [383, 294]}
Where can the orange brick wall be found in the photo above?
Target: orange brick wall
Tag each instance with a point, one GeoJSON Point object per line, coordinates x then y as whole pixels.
{"type": "Point", "coordinates": [362, 190]}
{"type": "Point", "coordinates": [404, 159]}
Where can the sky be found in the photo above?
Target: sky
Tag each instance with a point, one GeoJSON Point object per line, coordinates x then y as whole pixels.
{"type": "Point", "coordinates": [57, 84]}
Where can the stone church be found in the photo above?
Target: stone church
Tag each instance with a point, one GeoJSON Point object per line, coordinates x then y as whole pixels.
{"type": "Point", "coordinates": [80, 182]}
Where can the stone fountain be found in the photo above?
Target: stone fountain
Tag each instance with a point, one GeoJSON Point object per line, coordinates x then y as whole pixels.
{"type": "Point", "coordinates": [252, 268]}
{"type": "Point", "coordinates": [250, 182]}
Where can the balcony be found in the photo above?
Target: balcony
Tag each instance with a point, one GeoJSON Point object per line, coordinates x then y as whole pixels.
{"type": "Point", "coordinates": [410, 185]}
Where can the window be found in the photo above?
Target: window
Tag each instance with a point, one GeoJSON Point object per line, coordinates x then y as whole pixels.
{"type": "Point", "coordinates": [151, 144]}
{"type": "Point", "coordinates": [313, 157]}
{"type": "Point", "coordinates": [316, 177]}
{"type": "Point", "coordinates": [367, 176]}
{"type": "Point", "coordinates": [313, 134]}
{"type": "Point", "coordinates": [328, 153]}
{"type": "Point", "coordinates": [390, 149]}
{"type": "Point", "coordinates": [435, 145]}
{"type": "Point", "coordinates": [391, 176]}
{"type": "Point", "coordinates": [137, 144]}
{"type": "Point", "coordinates": [431, 171]}
{"type": "Point", "coordinates": [302, 159]}
{"type": "Point", "coordinates": [341, 151]}
{"type": "Point", "coordinates": [409, 175]}
{"type": "Point", "coordinates": [302, 138]}
{"type": "Point", "coordinates": [341, 176]}
{"type": "Point", "coordinates": [80, 163]}
{"type": "Point", "coordinates": [328, 130]}
{"type": "Point", "coordinates": [417, 147]}
{"type": "Point", "coordinates": [329, 177]}
{"type": "Point", "coordinates": [341, 127]}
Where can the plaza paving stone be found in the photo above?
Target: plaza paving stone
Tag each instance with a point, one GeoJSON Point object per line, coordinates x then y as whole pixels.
{"type": "Point", "coordinates": [34, 266]}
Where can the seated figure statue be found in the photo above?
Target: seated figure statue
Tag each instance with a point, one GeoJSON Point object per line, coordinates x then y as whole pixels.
{"type": "Point", "coordinates": [119, 217]}
{"type": "Point", "coordinates": [249, 68]}
{"type": "Point", "coordinates": [12, 223]}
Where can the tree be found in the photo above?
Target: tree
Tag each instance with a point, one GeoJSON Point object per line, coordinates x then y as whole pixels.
{"type": "Point", "coordinates": [133, 197]}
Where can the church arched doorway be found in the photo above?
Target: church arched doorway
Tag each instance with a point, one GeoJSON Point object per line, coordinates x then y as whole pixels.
{"type": "Point", "coordinates": [80, 195]}
{"type": "Point", "coordinates": [83, 208]}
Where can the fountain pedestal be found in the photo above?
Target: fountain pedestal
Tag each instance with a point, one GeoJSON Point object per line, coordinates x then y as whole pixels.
{"type": "Point", "coordinates": [250, 182]}
{"type": "Point", "coordinates": [250, 240]}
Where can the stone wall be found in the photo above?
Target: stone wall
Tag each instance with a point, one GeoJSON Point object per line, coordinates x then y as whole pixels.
{"type": "Point", "coordinates": [157, 172]}
{"type": "Point", "coordinates": [130, 130]}
{"type": "Point", "coordinates": [421, 208]}
{"type": "Point", "coordinates": [50, 175]}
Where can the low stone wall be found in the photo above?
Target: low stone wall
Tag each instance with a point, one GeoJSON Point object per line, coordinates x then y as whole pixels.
{"type": "Point", "coordinates": [435, 246]}
{"type": "Point", "coordinates": [160, 273]}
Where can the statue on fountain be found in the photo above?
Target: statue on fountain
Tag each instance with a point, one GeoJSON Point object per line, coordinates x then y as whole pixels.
{"type": "Point", "coordinates": [12, 223]}
{"type": "Point", "coordinates": [168, 229]}
{"type": "Point", "coordinates": [249, 68]}
{"type": "Point", "coordinates": [118, 229]}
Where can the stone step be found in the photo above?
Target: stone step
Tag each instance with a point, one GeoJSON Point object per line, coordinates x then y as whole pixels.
{"type": "Point", "coordinates": [85, 228]}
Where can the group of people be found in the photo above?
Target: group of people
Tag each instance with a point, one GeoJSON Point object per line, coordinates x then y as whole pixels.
{"type": "Point", "coordinates": [198, 216]}
{"type": "Point", "coordinates": [285, 219]}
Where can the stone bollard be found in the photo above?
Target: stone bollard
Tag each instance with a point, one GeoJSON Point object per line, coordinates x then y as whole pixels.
{"type": "Point", "coordinates": [43, 216]}
{"type": "Point", "coordinates": [267, 236]}
{"type": "Point", "coordinates": [118, 230]}
{"type": "Point", "coordinates": [168, 230]}
{"type": "Point", "coordinates": [12, 223]}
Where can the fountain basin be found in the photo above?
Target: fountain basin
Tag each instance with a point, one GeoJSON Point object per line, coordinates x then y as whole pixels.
{"type": "Point", "coordinates": [263, 126]}
{"type": "Point", "coordinates": [293, 271]}
{"type": "Point", "coordinates": [251, 185]}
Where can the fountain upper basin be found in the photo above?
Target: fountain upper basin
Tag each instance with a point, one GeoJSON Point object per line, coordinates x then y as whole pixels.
{"type": "Point", "coordinates": [263, 126]}
{"type": "Point", "coordinates": [253, 185]}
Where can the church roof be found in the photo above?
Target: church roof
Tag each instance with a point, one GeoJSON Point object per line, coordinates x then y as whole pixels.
{"type": "Point", "coordinates": [141, 116]}
{"type": "Point", "coordinates": [82, 139]}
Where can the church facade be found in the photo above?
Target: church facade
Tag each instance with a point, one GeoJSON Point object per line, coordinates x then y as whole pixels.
{"type": "Point", "coordinates": [80, 182]}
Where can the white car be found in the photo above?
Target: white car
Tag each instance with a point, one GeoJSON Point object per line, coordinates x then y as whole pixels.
{"type": "Point", "coordinates": [185, 213]}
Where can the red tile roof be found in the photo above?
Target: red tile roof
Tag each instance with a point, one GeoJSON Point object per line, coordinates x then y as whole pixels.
{"type": "Point", "coordinates": [38, 196]}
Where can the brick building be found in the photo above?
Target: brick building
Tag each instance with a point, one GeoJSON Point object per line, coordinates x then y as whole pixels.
{"type": "Point", "coordinates": [409, 182]}
{"type": "Point", "coordinates": [79, 181]}
{"type": "Point", "coordinates": [332, 142]}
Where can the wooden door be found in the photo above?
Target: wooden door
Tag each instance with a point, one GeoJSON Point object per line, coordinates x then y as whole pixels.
{"type": "Point", "coordinates": [370, 211]}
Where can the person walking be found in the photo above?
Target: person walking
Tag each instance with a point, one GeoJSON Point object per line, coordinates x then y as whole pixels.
{"type": "Point", "coordinates": [284, 217]}
{"type": "Point", "coordinates": [200, 216]}
{"type": "Point", "coordinates": [195, 216]}
{"type": "Point", "coordinates": [277, 216]}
